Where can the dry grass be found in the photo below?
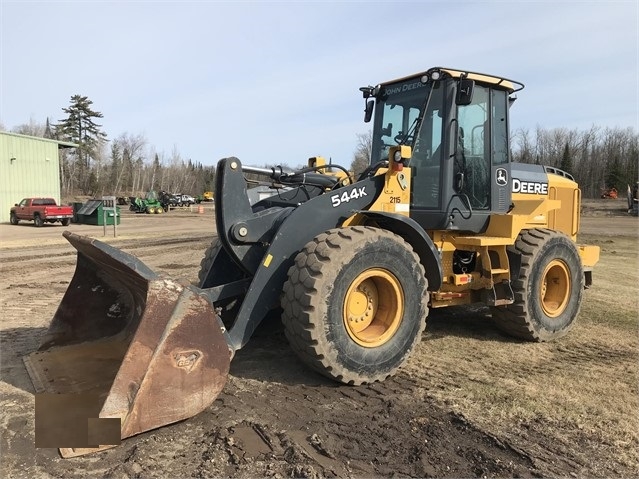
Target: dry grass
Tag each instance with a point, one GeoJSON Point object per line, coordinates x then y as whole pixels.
{"type": "Point", "coordinates": [581, 392]}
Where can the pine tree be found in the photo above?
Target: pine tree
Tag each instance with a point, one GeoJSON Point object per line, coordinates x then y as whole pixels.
{"type": "Point", "coordinates": [127, 168]}
{"type": "Point", "coordinates": [566, 160]}
{"type": "Point", "coordinates": [116, 167]}
{"type": "Point", "coordinates": [80, 128]}
{"type": "Point", "coordinates": [615, 177]}
{"type": "Point", "coordinates": [48, 133]}
{"type": "Point", "coordinates": [155, 179]}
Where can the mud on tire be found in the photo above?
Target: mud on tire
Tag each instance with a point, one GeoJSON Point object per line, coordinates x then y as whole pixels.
{"type": "Point", "coordinates": [549, 289]}
{"type": "Point", "coordinates": [355, 304]}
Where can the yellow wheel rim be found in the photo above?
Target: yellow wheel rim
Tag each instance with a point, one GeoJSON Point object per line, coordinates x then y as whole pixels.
{"type": "Point", "coordinates": [555, 288]}
{"type": "Point", "coordinates": [373, 307]}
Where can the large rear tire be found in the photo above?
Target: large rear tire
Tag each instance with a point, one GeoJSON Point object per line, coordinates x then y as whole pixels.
{"type": "Point", "coordinates": [355, 304]}
{"type": "Point", "coordinates": [38, 221]}
{"type": "Point", "coordinates": [549, 289]}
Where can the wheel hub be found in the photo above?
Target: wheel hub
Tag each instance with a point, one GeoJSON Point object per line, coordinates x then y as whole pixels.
{"type": "Point", "coordinates": [373, 307]}
{"type": "Point", "coordinates": [555, 288]}
{"type": "Point", "coordinates": [362, 304]}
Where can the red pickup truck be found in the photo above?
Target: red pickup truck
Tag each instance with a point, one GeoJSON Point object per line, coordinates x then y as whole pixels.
{"type": "Point", "coordinates": [41, 210]}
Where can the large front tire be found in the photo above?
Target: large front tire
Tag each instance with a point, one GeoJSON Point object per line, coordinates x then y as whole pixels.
{"type": "Point", "coordinates": [355, 304]}
{"type": "Point", "coordinates": [14, 219]}
{"type": "Point", "coordinates": [209, 257]}
{"type": "Point", "coordinates": [549, 289]}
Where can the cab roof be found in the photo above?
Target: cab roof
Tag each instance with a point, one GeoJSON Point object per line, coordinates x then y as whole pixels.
{"type": "Point", "coordinates": [510, 85]}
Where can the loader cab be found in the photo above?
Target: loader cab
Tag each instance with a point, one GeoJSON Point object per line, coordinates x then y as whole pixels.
{"type": "Point", "coordinates": [457, 126]}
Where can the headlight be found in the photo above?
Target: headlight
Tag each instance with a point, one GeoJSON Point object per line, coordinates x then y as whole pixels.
{"type": "Point", "coordinates": [397, 157]}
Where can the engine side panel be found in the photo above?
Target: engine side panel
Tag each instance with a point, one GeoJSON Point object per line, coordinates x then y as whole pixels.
{"type": "Point", "coordinates": [541, 198]}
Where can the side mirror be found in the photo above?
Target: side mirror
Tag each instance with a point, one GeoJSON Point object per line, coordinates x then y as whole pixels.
{"type": "Point", "coordinates": [368, 112]}
{"type": "Point", "coordinates": [464, 92]}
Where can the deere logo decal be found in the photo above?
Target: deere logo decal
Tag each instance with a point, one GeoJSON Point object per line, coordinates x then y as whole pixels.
{"type": "Point", "coordinates": [501, 177]}
{"type": "Point", "coordinates": [529, 187]}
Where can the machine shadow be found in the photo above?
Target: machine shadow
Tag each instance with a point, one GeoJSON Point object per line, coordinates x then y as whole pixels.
{"type": "Point", "coordinates": [15, 343]}
{"type": "Point", "coordinates": [268, 357]}
{"type": "Point", "coordinates": [468, 321]}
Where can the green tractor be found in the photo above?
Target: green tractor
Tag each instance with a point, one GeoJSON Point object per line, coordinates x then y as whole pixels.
{"type": "Point", "coordinates": [150, 204]}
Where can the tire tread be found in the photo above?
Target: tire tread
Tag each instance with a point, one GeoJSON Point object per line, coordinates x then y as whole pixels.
{"type": "Point", "coordinates": [515, 319]}
{"type": "Point", "coordinates": [301, 291]}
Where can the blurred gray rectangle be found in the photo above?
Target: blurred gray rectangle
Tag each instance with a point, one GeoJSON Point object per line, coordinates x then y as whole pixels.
{"type": "Point", "coordinates": [71, 421]}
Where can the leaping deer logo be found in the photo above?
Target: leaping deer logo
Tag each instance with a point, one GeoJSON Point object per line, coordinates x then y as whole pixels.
{"type": "Point", "coordinates": [501, 177]}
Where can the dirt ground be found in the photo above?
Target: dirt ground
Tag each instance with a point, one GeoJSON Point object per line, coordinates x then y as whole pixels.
{"type": "Point", "coordinates": [469, 403]}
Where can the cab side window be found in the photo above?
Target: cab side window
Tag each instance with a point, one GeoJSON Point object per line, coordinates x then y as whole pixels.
{"type": "Point", "coordinates": [499, 130]}
{"type": "Point", "coordinates": [427, 155]}
{"type": "Point", "coordinates": [473, 159]}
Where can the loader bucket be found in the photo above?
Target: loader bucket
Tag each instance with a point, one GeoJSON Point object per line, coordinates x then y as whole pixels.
{"type": "Point", "coordinates": [151, 350]}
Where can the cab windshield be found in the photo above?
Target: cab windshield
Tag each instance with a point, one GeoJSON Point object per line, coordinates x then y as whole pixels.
{"type": "Point", "coordinates": [396, 115]}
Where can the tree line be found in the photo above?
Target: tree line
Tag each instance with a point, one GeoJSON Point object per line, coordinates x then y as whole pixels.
{"type": "Point", "coordinates": [127, 165]}
{"type": "Point", "coordinates": [598, 158]}
{"type": "Point", "coordinates": [124, 166]}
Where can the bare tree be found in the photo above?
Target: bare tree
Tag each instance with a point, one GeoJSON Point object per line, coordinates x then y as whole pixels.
{"type": "Point", "coordinates": [362, 155]}
{"type": "Point", "coordinates": [597, 157]}
{"type": "Point", "coordinates": [523, 146]}
{"type": "Point", "coordinates": [132, 151]}
{"type": "Point", "coordinates": [33, 128]}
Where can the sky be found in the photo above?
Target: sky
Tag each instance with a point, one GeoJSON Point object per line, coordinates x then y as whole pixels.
{"type": "Point", "coordinates": [278, 82]}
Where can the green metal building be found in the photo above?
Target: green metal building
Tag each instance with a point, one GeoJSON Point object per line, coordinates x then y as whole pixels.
{"type": "Point", "coordinates": [29, 166]}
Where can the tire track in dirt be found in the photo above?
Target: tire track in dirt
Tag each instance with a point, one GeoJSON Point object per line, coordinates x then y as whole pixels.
{"type": "Point", "coordinates": [319, 430]}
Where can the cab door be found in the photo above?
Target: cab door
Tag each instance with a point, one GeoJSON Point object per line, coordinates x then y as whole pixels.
{"type": "Point", "coordinates": [481, 168]}
{"type": "Point", "coordinates": [460, 163]}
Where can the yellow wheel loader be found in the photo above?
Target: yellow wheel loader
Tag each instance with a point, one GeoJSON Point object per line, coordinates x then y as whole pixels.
{"type": "Point", "coordinates": [440, 217]}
